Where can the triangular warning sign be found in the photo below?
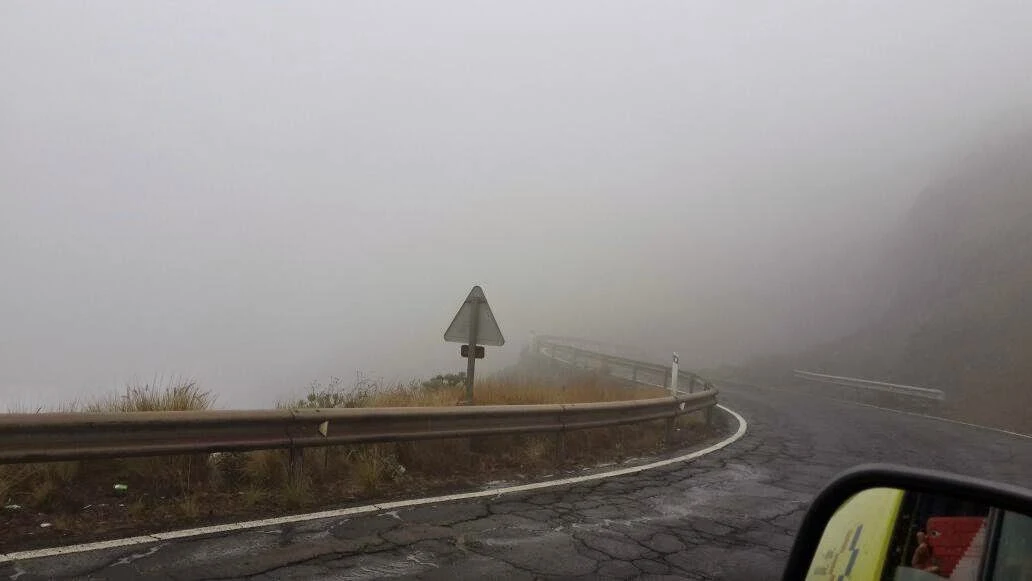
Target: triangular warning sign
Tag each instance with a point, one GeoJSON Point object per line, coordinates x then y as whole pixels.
{"type": "Point", "coordinates": [488, 332]}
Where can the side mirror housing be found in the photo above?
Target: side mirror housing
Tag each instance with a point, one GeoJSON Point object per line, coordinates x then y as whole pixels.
{"type": "Point", "coordinates": [881, 522]}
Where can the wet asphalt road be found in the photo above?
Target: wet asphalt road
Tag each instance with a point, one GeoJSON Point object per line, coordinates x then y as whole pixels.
{"type": "Point", "coordinates": [729, 515]}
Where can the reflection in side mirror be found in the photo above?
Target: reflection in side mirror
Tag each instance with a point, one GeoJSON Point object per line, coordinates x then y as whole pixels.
{"type": "Point", "coordinates": [888, 533]}
{"type": "Point", "coordinates": [888, 524]}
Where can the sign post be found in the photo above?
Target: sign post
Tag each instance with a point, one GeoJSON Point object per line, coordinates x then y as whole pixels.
{"type": "Point", "coordinates": [471, 357]}
{"type": "Point", "coordinates": [473, 324]}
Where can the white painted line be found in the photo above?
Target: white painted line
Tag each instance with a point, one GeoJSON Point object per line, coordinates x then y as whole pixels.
{"type": "Point", "coordinates": [371, 508]}
{"type": "Point", "coordinates": [942, 419]}
{"type": "Point", "coordinates": [196, 532]}
{"type": "Point", "coordinates": [282, 520]}
{"type": "Point", "coordinates": [57, 551]}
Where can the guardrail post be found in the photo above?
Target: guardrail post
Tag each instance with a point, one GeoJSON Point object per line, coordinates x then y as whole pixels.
{"type": "Point", "coordinates": [560, 437]}
{"type": "Point", "coordinates": [560, 446]}
{"type": "Point", "coordinates": [295, 465]}
{"type": "Point", "coordinates": [674, 371]}
{"type": "Point", "coordinates": [669, 437]}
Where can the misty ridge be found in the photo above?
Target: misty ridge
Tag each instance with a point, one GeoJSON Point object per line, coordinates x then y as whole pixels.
{"type": "Point", "coordinates": [951, 305]}
{"type": "Point", "coordinates": [259, 203]}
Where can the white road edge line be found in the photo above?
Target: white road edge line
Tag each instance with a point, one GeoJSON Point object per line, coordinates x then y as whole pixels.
{"type": "Point", "coordinates": [371, 508]}
{"type": "Point", "coordinates": [946, 420]}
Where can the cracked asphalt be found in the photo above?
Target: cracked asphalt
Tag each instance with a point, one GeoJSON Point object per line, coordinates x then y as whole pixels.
{"type": "Point", "coordinates": [729, 515]}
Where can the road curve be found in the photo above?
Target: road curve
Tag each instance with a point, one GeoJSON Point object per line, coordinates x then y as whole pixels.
{"type": "Point", "coordinates": [729, 515]}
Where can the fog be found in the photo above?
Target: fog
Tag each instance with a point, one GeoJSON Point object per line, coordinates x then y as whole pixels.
{"type": "Point", "coordinates": [258, 194]}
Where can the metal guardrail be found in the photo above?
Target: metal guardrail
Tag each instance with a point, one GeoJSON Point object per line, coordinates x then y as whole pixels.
{"type": "Point", "coordinates": [643, 372]}
{"type": "Point", "coordinates": [907, 390]}
{"type": "Point", "coordinates": [79, 436]}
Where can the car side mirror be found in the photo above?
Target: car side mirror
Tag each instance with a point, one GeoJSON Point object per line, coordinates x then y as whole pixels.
{"type": "Point", "coordinates": [891, 523]}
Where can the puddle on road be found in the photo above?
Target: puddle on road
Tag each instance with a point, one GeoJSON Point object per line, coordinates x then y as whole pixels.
{"type": "Point", "coordinates": [736, 491]}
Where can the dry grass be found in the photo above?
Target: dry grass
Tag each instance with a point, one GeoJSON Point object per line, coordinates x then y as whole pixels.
{"type": "Point", "coordinates": [450, 390]}
{"type": "Point", "coordinates": [175, 394]}
{"type": "Point", "coordinates": [189, 507]}
{"type": "Point", "coordinates": [253, 496]}
{"type": "Point", "coordinates": [44, 495]}
{"type": "Point", "coordinates": [580, 389]}
{"type": "Point", "coordinates": [43, 486]}
{"type": "Point", "coordinates": [174, 476]}
{"type": "Point", "coordinates": [266, 468]}
{"type": "Point", "coordinates": [137, 509]}
{"type": "Point", "coordinates": [35, 485]}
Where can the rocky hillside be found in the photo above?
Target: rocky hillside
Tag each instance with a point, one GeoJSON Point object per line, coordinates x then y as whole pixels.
{"type": "Point", "coordinates": [957, 288]}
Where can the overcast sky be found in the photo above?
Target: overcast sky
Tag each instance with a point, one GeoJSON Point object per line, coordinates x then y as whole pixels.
{"type": "Point", "coordinates": [260, 194]}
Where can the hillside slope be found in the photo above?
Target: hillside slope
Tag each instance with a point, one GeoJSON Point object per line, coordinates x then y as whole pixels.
{"type": "Point", "coordinates": [957, 283]}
